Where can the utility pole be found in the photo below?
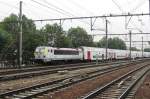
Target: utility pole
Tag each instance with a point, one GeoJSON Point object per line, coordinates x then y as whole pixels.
{"type": "Point", "coordinates": [149, 6]}
{"type": "Point", "coordinates": [20, 36]}
{"type": "Point", "coordinates": [142, 47]}
{"type": "Point", "coordinates": [60, 23]}
{"type": "Point", "coordinates": [130, 43]}
{"type": "Point", "coordinates": [106, 38]}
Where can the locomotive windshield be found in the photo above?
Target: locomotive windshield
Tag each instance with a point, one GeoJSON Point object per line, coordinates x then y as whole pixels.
{"type": "Point", "coordinates": [40, 50]}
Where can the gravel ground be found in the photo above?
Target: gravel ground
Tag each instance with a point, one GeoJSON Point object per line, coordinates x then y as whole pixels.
{"type": "Point", "coordinates": [144, 91]}
{"type": "Point", "coordinates": [82, 88]}
{"type": "Point", "coordinates": [26, 82]}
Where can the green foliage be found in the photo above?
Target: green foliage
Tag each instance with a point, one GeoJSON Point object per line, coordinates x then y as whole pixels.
{"type": "Point", "coordinates": [5, 39]}
{"type": "Point", "coordinates": [134, 49]}
{"type": "Point", "coordinates": [10, 25]}
{"type": "Point", "coordinates": [28, 25]}
{"type": "Point", "coordinates": [55, 36]}
{"type": "Point", "coordinates": [31, 39]}
{"type": "Point", "coordinates": [113, 43]}
{"type": "Point", "coordinates": [79, 37]}
{"type": "Point", "coordinates": [147, 50]}
{"type": "Point", "coordinates": [52, 35]}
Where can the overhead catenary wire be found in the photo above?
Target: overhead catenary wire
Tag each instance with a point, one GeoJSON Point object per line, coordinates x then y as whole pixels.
{"type": "Point", "coordinates": [126, 24]}
{"type": "Point", "coordinates": [57, 10]}
{"type": "Point", "coordinates": [60, 11]}
{"type": "Point", "coordinates": [36, 6]}
{"type": "Point", "coordinates": [138, 41]}
{"type": "Point", "coordinates": [119, 7]}
{"type": "Point", "coordinates": [87, 17]}
{"type": "Point", "coordinates": [27, 9]}
{"type": "Point", "coordinates": [65, 19]}
{"type": "Point", "coordinates": [51, 8]}
{"type": "Point", "coordinates": [12, 7]}
{"type": "Point", "coordinates": [81, 7]}
{"type": "Point", "coordinates": [134, 9]}
{"type": "Point", "coordinates": [36, 1]}
{"type": "Point", "coordinates": [101, 16]}
{"type": "Point", "coordinates": [9, 5]}
{"type": "Point", "coordinates": [138, 6]}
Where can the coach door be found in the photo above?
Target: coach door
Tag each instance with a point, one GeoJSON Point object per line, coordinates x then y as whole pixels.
{"type": "Point", "coordinates": [88, 55]}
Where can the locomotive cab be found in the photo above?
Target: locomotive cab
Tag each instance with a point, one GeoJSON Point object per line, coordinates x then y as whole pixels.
{"type": "Point", "coordinates": [43, 54]}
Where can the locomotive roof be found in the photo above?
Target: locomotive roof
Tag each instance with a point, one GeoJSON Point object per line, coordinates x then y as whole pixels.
{"type": "Point", "coordinates": [74, 49]}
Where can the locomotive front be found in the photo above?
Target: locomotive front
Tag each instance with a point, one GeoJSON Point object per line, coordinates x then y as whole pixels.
{"type": "Point", "coordinates": [41, 54]}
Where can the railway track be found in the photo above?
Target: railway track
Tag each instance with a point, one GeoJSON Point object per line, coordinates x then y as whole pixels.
{"type": "Point", "coordinates": [13, 76]}
{"type": "Point", "coordinates": [40, 89]}
{"type": "Point", "coordinates": [40, 67]}
{"type": "Point", "coordinates": [121, 87]}
{"type": "Point", "coordinates": [27, 69]}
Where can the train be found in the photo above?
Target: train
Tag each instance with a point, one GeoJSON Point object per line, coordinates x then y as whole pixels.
{"type": "Point", "coordinates": [47, 54]}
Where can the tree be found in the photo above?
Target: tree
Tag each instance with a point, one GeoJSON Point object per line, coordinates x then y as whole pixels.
{"type": "Point", "coordinates": [31, 38]}
{"type": "Point", "coordinates": [55, 36]}
{"type": "Point", "coordinates": [134, 49]}
{"type": "Point", "coordinates": [147, 50]}
{"type": "Point", "coordinates": [79, 37]}
{"type": "Point", "coordinates": [32, 41]}
{"type": "Point", "coordinates": [5, 39]}
{"type": "Point", "coordinates": [113, 43]}
{"type": "Point", "coordinates": [10, 25]}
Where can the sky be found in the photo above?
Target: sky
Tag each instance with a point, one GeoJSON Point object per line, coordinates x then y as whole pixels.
{"type": "Point", "coordinates": [49, 9]}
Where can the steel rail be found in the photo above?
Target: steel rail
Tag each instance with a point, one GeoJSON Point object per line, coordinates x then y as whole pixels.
{"type": "Point", "coordinates": [11, 71]}
{"type": "Point", "coordinates": [10, 93]}
{"type": "Point", "coordinates": [102, 89]}
{"type": "Point", "coordinates": [45, 72]}
{"type": "Point", "coordinates": [127, 91]}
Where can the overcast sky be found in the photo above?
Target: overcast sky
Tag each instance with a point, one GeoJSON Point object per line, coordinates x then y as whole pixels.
{"type": "Point", "coordinates": [47, 9]}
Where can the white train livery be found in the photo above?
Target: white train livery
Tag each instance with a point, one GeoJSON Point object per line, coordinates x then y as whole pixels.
{"type": "Point", "coordinates": [49, 54]}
